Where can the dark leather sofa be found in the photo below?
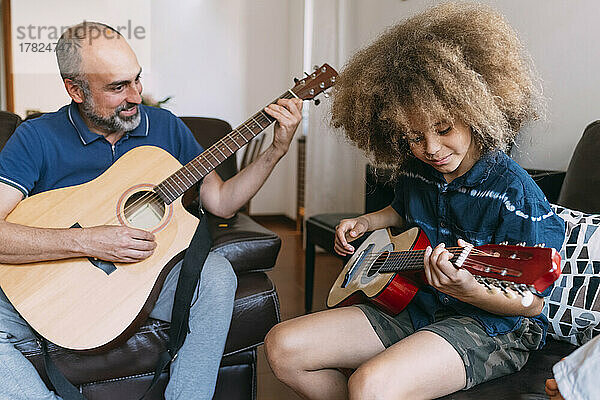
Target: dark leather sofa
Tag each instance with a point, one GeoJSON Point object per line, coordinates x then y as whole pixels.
{"type": "Point", "coordinates": [126, 371]}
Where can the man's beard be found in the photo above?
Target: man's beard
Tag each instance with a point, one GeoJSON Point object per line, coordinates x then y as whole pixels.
{"type": "Point", "coordinates": [114, 123]}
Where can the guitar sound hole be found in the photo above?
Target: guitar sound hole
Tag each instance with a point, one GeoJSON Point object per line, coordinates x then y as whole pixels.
{"type": "Point", "coordinates": [376, 266]}
{"type": "Point", "coordinates": [144, 210]}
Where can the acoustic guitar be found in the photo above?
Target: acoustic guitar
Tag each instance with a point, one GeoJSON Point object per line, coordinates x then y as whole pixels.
{"type": "Point", "coordinates": [387, 270]}
{"type": "Point", "coordinates": [92, 305]}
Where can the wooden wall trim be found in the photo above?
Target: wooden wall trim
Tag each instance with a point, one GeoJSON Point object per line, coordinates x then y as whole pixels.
{"type": "Point", "coordinates": [6, 35]}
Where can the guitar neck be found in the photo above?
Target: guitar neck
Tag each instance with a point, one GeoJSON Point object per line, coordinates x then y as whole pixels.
{"type": "Point", "coordinates": [409, 260]}
{"type": "Point", "coordinates": [187, 176]}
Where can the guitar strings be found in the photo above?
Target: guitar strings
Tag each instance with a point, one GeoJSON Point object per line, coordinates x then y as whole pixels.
{"type": "Point", "coordinates": [154, 198]}
{"type": "Point", "coordinates": [416, 256]}
{"type": "Point", "coordinates": [420, 253]}
{"type": "Point", "coordinates": [468, 263]}
{"type": "Point", "coordinates": [210, 150]}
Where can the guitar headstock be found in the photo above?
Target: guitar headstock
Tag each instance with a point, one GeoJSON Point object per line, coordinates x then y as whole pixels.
{"type": "Point", "coordinates": [517, 268]}
{"type": "Point", "coordinates": [321, 79]}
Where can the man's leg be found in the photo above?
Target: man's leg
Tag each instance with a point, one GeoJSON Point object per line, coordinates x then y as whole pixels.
{"type": "Point", "coordinates": [19, 379]}
{"type": "Point", "coordinates": [194, 372]}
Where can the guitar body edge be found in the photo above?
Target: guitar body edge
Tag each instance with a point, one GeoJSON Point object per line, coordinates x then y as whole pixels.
{"type": "Point", "coordinates": [72, 302]}
{"type": "Point", "coordinates": [390, 291]}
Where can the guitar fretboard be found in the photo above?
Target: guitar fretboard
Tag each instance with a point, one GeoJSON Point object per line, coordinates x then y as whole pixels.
{"type": "Point", "coordinates": [410, 260]}
{"type": "Point", "coordinates": [176, 184]}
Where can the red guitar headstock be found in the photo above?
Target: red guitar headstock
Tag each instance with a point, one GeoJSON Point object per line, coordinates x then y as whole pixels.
{"type": "Point", "coordinates": [320, 80]}
{"type": "Point", "coordinates": [531, 266]}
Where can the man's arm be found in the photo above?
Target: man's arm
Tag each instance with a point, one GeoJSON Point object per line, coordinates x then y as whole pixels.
{"type": "Point", "coordinates": [225, 198]}
{"type": "Point", "coordinates": [21, 244]}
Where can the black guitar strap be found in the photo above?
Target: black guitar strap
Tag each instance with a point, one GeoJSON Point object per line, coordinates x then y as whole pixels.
{"type": "Point", "coordinates": [63, 387]}
{"type": "Point", "coordinates": [189, 276]}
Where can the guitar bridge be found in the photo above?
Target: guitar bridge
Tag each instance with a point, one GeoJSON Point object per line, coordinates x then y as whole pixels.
{"type": "Point", "coordinates": [357, 263]}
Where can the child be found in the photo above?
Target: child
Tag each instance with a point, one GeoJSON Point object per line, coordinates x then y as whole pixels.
{"type": "Point", "coordinates": [436, 98]}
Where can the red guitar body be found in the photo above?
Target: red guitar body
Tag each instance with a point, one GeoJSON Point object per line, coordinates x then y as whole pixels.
{"type": "Point", "coordinates": [522, 269]}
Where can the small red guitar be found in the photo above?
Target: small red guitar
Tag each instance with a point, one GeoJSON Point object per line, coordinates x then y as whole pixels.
{"type": "Point", "coordinates": [387, 269]}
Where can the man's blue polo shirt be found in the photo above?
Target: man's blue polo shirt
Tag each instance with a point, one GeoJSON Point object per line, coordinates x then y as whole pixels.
{"type": "Point", "coordinates": [495, 201]}
{"type": "Point", "coordinates": [58, 150]}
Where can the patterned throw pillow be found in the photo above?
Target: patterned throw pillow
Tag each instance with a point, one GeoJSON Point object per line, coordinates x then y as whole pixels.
{"type": "Point", "coordinates": [573, 307]}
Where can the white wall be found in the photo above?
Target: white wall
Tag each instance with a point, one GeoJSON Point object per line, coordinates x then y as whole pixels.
{"type": "Point", "coordinates": [228, 59]}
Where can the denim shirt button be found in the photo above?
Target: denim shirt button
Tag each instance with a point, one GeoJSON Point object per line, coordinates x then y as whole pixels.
{"type": "Point", "coordinates": [443, 224]}
{"type": "Point", "coordinates": [446, 300]}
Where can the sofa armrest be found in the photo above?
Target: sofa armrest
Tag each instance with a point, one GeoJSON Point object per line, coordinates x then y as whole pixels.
{"type": "Point", "coordinates": [247, 245]}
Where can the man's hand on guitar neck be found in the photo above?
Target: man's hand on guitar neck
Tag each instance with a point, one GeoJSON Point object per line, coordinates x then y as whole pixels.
{"type": "Point", "coordinates": [288, 113]}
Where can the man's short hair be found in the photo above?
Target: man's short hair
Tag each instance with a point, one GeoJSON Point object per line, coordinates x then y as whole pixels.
{"type": "Point", "coordinates": [68, 47]}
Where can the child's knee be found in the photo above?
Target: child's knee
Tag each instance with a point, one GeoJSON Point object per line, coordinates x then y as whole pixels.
{"type": "Point", "coordinates": [371, 381]}
{"type": "Point", "coordinates": [281, 349]}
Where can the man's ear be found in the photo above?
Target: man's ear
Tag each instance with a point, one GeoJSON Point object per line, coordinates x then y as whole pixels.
{"type": "Point", "coordinates": [74, 90]}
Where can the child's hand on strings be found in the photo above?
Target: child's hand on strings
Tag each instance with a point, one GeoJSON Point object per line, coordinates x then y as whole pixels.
{"type": "Point", "coordinates": [347, 231]}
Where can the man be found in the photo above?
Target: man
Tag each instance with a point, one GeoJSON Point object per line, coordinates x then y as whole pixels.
{"type": "Point", "coordinates": [76, 144]}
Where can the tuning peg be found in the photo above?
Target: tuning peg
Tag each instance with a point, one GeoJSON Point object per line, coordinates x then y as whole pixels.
{"type": "Point", "coordinates": [505, 243]}
{"type": "Point", "coordinates": [317, 102]}
{"type": "Point", "coordinates": [522, 244]}
{"type": "Point", "coordinates": [326, 95]}
{"type": "Point", "coordinates": [315, 67]}
{"type": "Point", "coordinates": [540, 245]}
{"type": "Point", "coordinates": [296, 80]}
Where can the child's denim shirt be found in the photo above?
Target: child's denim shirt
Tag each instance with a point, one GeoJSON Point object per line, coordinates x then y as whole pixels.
{"type": "Point", "coordinates": [495, 201]}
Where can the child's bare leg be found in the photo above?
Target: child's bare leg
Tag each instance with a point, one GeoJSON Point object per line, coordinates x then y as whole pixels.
{"type": "Point", "coordinates": [305, 352]}
{"type": "Point", "coordinates": [421, 366]}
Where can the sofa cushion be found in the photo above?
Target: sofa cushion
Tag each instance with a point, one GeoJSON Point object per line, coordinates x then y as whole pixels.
{"type": "Point", "coordinates": [580, 188]}
{"type": "Point", "coordinates": [573, 307]}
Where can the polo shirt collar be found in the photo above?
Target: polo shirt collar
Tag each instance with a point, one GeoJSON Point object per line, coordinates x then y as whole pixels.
{"type": "Point", "coordinates": [88, 136]}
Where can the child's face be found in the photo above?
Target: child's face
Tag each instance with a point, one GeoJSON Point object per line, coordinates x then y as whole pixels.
{"type": "Point", "coordinates": [448, 148]}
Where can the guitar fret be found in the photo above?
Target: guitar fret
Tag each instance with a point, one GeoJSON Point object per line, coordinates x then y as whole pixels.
{"type": "Point", "coordinates": [249, 130]}
{"type": "Point", "coordinates": [244, 136]}
{"type": "Point", "coordinates": [228, 147]}
{"type": "Point", "coordinates": [188, 175]}
{"type": "Point", "coordinates": [219, 150]}
{"type": "Point", "coordinates": [168, 182]}
{"type": "Point", "coordinates": [197, 170]}
{"type": "Point", "coordinates": [257, 123]}
{"type": "Point", "coordinates": [206, 170]}
{"type": "Point", "coordinates": [190, 181]}
{"type": "Point", "coordinates": [235, 141]}
{"type": "Point", "coordinates": [209, 163]}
